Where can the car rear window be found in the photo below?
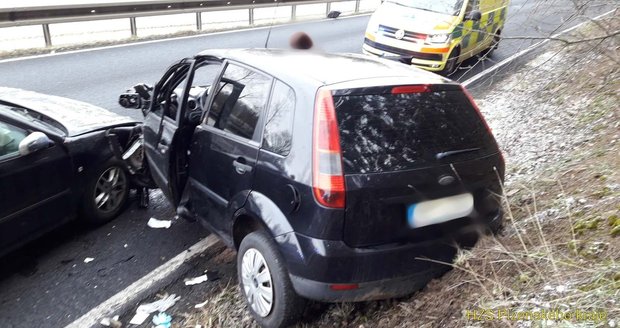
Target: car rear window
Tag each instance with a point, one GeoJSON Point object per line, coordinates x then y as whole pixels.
{"type": "Point", "coordinates": [392, 132]}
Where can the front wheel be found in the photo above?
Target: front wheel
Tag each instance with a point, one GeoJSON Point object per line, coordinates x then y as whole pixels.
{"type": "Point", "coordinates": [452, 63]}
{"type": "Point", "coordinates": [106, 193]}
{"type": "Point", "coordinates": [265, 282]}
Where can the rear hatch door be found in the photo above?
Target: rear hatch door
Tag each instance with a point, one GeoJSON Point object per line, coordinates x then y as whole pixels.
{"type": "Point", "coordinates": [404, 145]}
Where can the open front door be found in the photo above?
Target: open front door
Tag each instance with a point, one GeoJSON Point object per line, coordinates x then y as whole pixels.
{"type": "Point", "coordinates": [162, 126]}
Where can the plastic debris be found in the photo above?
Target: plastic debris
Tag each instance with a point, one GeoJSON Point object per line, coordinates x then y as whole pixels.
{"type": "Point", "coordinates": [212, 275]}
{"type": "Point", "coordinates": [200, 305]}
{"type": "Point", "coordinates": [89, 259]}
{"type": "Point", "coordinates": [196, 280]}
{"type": "Point", "coordinates": [111, 322]}
{"type": "Point", "coordinates": [162, 320]}
{"type": "Point", "coordinates": [139, 318]}
{"type": "Point", "coordinates": [158, 224]}
{"type": "Point", "coordinates": [144, 311]}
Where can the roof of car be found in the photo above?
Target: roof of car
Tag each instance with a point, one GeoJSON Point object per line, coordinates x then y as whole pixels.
{"type": "Point", "coordinates": [325, 68]}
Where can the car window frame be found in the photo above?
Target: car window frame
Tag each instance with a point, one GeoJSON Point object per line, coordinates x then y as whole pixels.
{"type": "Point", "coordinates": [256, 139]}
{"type": "Point", "coordinates": [17, 154]}
{"type": "Point", "coordinates": [264, 118]}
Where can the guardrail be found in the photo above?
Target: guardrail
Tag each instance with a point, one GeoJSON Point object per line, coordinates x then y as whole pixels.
{"type": "Point", "coordinates": [45, 15]}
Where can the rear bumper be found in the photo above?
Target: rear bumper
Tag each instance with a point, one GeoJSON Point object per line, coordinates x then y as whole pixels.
{"type": "Point", "coordinates": [366, 291]}
{"type": "Point", "coordinates": [379, 272]}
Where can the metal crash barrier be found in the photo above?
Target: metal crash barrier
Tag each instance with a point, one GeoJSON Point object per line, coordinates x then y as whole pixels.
{"type": "Point", "coordinates": [46, 15]}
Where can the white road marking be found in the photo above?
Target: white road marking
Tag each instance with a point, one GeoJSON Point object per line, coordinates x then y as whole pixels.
{"type": "Point", "coordinates": [133, 291]}
{"type": "Point", "coordinates": [527, 50]}
{"type": "Point", "coordinates": [278, 25]}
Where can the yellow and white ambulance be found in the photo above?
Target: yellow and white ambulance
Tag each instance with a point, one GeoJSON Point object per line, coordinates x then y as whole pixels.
{"type": "Point", "coordinates": [436, 35]}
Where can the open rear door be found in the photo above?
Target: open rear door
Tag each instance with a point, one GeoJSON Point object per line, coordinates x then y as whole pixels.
{"type": "Point", "coordinates": [162, 124]}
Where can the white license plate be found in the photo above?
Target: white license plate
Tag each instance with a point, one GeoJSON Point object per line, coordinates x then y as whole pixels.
{"type": "Point", "coordinates": [439, 210]}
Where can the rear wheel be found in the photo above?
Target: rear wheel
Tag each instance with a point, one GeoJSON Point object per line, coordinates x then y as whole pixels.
{"type": "Point", "coordinates": [106, 193]}
{"type": "Point", "coordinates": [494, 44]}
{"type": "Point", "coordinates": [265, 282]}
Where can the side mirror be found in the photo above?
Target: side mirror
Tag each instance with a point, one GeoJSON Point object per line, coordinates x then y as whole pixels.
{"type": "Point", "coordinates": [474, 15]}
{"type": "Point", "coordinates": [138, 96]}
{"type": "Point", "coordinates": [34, 142]}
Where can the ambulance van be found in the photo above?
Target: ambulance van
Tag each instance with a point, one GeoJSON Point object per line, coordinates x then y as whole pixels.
{"type": "Point", "coordinates": [437, 35]}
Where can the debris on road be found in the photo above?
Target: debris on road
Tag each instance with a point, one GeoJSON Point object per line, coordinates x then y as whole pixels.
{"type": "Point", "coordinates": [200, 305]}
{"type": "Point", "coordinates": [89, 259]}
{"type": "Point", "coordinates": [162, 320]}
{"type": "Point", "coordinates": [66, 261]}
{"type": "Point", "coordinates": [196, 280]}
{"type": "Point", "coordinates": [144, 310]}
{"type": "Point", "coordinates": [158, 224]}
{"type": "Point", "coordinates": [111, 322]}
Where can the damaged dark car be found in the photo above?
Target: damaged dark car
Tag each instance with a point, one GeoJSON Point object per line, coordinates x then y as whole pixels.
{"type": "Point", "coordinates": [335, 177]}
{"type": "Point", "coordinates": [59, 161]}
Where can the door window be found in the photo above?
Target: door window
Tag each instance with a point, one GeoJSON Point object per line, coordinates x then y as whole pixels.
{"type": "Point", "coordinates": [279, 122]}
{"type": "Point", "coordinates": [205, 75]}
{"type": "Point", "coordinates": [10, 137]}
{"type": "Point", "coordinates": [241, 97]}
{"type": "Point", "coordinates": [168, 98]}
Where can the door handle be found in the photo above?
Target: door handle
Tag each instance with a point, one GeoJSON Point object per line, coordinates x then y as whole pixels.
{"type": "Point", "coordinates": [162, 147]}
{"type": "Point", "coordinates": [240, 166]}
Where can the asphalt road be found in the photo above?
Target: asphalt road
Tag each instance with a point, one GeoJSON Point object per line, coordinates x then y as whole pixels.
{"type": "Point", "coordinates": [47, 283]}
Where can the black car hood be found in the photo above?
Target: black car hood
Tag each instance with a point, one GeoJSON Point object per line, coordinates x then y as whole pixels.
{"type": "Point", "coordinates": [76, 116]}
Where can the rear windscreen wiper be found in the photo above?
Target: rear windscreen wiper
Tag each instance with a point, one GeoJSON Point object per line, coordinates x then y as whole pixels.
{"type": "Point", "coordinates": [454, 152]}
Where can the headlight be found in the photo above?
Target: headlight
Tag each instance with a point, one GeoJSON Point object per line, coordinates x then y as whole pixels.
{"type": "Point", "coordinates": [438, 38]}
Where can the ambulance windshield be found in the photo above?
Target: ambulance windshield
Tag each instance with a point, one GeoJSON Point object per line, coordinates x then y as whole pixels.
{"type": "Point", "coordinates": [446, 7]}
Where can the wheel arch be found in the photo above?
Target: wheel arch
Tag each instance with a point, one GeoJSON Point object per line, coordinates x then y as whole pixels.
{"type": "Point", "coordinates": [258, 213]}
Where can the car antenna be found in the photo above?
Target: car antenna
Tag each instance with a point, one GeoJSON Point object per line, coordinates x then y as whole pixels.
{"type": "Point", "coordinates": [273, 19]}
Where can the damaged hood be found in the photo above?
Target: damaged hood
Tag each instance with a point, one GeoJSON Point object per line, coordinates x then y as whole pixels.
{"type": "Point", "coordinates": [77, 117]}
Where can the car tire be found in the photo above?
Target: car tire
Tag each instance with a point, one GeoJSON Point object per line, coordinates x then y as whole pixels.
{"type": "Point", "coordinates": [451, 64]}
{"type": "Point", "coordinates": [260, 264]}
{"type": "Point", "coordinates": [106, 193]}
{"type": "Point", "coordinates": [494, 45]}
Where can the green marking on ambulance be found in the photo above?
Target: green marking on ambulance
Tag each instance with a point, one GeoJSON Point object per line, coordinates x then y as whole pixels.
{"type": "Point", "coordinates": [466, 40]}
{"type": "Point", "coordinates": [458, 31]}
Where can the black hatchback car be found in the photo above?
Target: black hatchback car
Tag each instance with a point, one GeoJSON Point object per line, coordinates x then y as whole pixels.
{"type": "Point", "coordinates": [336, 177]}
{"type": "Point", "coordinates": [56, 163]}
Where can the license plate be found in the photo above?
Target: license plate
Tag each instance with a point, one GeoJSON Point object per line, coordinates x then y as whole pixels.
{"type": "Point", "coordinates": [439, 210]}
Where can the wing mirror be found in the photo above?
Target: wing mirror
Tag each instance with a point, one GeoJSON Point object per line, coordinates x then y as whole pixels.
{"type": "Point", "coordinates": [474, 15]}
{"type": "Point", "coordinates": [34, 142]}
{"type": "Point", "coordinates": [138, 96]}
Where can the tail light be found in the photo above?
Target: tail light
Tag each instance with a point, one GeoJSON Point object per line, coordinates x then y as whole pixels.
{"type": "Point", "coordinates": [327, 176]}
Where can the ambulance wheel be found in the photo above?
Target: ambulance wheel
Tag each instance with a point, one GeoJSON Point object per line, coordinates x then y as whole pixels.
{"type": "Point", "coordinates": [452, 63]}
{"type": "Point", "coordinates": [494, 44]}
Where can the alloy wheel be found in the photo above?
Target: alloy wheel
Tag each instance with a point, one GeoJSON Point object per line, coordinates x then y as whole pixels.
{"type": "Point", "coordinates": [257, 282]}
{"type": "Point", "coordinates": [110, 190]}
